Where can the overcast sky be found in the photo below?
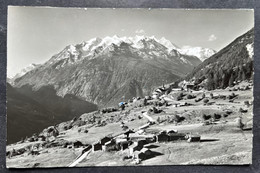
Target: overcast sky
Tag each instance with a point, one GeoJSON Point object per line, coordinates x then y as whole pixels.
{"type": "Point", "coordinates": [37, 33]}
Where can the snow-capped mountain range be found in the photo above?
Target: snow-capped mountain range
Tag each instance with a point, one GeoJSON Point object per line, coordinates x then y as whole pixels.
{"type": "Point", "coordinates": [154, 47]}
{"type": "Point", "coordinates": [144, 46]}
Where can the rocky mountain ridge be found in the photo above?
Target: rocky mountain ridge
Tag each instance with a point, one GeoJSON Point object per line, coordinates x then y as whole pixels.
{"type": "Point", "coordinates": [233, 63]}
{"type": "Point", "coordinates": [105, 71]}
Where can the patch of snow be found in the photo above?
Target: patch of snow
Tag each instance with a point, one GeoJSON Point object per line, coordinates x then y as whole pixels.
{"type": "Point", "coordinates": [72, 49]}
{"type": "Point", "coordinates": [137, 38]}
{"type": "Point", "coordinates": [250, 50]}
{"type": "Point", "coordinates": [156, 53]}
{"type": "Point", "coordinates": [184, 60]}
{"type": "Point", "coordinates": [89, 44]}
{"type": "Point", "coordinates": [138, 45]}
{"type": "Point", "coordinates": [199, 52]}
{"type": "Point", "coordinates": [168, 44]}
{"type": "Point", "coordinates": [63, 55]}
{"type": "Point", "coordinates": [25, 70]}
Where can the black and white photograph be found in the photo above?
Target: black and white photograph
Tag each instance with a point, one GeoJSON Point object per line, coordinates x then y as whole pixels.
{"type": "Point", "coordinates": [129, 87]}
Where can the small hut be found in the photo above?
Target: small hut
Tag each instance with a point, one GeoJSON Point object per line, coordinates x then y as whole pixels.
{"type": "Point", "coordinates": [122, 145]}
{"type": "Point", "coordinates": [146, 151]}
{"type": "Point", "coordinates": [193, 138]}
{"type": "Point", "coordinates": [136, 146]}
{"type": "Point", "coordinates": [96, 146]}
{"type": "Point", "coordinates": [110, 145]}
{"type": "Point", "coordinates": [77, 144]}
{"type": "Point", "coordinates": [143, 154]}
{"type": "Point", "coordinates": [105, 140]}
{"type": "Point", "coordinates": [138, 155]}
{"type": "Point", "coordinates": [176, 136]}
{"type": "Point", "coordinates": [162, 137]}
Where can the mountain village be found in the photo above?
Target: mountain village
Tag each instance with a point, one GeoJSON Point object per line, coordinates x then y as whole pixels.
{"type": "Point", "coordinates": [190, 120]}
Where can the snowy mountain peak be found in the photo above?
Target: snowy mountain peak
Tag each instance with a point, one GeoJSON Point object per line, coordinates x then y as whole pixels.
{"type": "Point", "coordinates": [153, 37]}
{"type": "Point", "coordinates": [72, 49]}
{"type": "Point", "coordinates": [23, 71]}
{"type": "Point", "coordinates": [201, 53]}
{"type": "Point", "coordinates": [168, 44]}
{"type": "Point", "coordinates": [29, 68]}
{"type": "Point", "coordinates": [107, 41]}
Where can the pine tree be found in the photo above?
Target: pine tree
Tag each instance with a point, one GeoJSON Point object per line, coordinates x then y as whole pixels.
{"type": "Point", "coordinates": [243, 74]}
{"type": "Point", "coordinates": [216, 80]}
{"type": "Point", "coordinates": [210, 84]}
{"type": "Point", "coordinates": [231, 80]}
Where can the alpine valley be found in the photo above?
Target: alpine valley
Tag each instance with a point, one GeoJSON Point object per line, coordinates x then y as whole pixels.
{"type": "Point", "coordinates": [122, 101]}
{"type": "Point", "coordinates": [99, 72]}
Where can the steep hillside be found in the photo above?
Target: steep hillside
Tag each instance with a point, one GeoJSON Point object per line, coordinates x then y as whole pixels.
{"type": "Point", "coordinates": [163, 127]}
{"type": "Point", "coordinates": [106, 71]}
{"type": "Point", "coordinates": [30, 111]}
{"type": "Point", "coordinates": [232, 63]}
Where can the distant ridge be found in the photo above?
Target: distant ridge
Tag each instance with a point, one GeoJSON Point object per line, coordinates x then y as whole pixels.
{"type": "Point", "coordinates": [232, 63]}
{"type": "Point", "coordinates": [30, 111]}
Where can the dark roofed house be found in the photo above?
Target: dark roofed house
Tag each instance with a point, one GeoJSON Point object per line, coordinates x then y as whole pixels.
{"type": "Point", "coordinates": [123, 145]}
{"type": "Point", "coordinates": [176, 136]}
{"type": "Point", "coordinates": [105, 139]}
{"type": "Point", "coordinates": [140, 142]}
{"type": "Point", "coordinates": [150, 139]}
{"type": "Point", "coordinates": [138, 155]}
{"type": "Point", "coordinates": [110, 145]}
{"type": "Point", "coordinates": [189, 86]}
{"type": "Point", "coordinates": [163, 137]}
{"type": "Point", "coordinates": [96, 146]}
{"type": "Point", "coordinates": [136, 146]}
{"type": "Point", "coordinates": [77, 144]}
{"type": "Point", "coordinates": [143, 154]}
{"type": "Point", "coordinates": [193, 138]}
{"type": "Point", "coordinates": [146, 151]}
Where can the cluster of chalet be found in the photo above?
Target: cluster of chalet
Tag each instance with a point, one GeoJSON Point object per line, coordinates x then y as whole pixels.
{"type": "Point", "coordinates": [137, 145]}
{"type": "Point", "coordinates": [184, 85]}
{"type": "Point", "coordinates": [173, 135]}
{"type": "Point", "coordinates": [138, 151]}
{"type": "Point", "coordinates": [112, 143]}
{"type": "Point", "coordinates": [158, 92]}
